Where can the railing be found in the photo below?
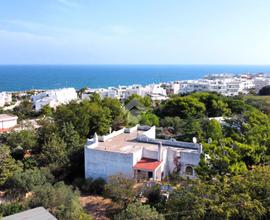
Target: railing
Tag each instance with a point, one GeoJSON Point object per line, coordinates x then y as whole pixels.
{"type": "Point", "coordinates": [173, 143]}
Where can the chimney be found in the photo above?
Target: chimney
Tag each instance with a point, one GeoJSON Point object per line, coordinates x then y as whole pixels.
{"type": "Point", "coordinates": [160, 151]}
{"type": "Point", "coordinates": [95, 138]}
{"type": "Point", "coordinates": [200, 148]}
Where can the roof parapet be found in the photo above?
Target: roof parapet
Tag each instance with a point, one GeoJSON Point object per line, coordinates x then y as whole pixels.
{"type": "Point", "coordinates": [173, 143]}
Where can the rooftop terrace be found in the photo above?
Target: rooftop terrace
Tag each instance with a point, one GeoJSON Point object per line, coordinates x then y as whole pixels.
{"type": "Point", "coordinates": [129, 142]}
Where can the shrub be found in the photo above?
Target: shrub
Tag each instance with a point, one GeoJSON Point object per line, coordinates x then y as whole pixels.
{"type": "Point", "coordinates": [10, 208]}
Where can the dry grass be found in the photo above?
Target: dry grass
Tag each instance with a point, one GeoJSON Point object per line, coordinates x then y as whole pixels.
{"type": "Point", "coordinates": [98, 206]}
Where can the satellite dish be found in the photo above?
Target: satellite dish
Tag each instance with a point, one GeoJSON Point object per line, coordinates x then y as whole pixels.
{"type": "Point", "coordinates": [194, 140]}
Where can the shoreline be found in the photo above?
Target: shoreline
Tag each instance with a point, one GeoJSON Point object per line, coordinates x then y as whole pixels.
{"type": "Point", "coordinates": [22, 78]}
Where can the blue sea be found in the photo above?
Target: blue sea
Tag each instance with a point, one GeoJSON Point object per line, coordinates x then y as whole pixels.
{"type": "Point", "coordinates": [26, 77]}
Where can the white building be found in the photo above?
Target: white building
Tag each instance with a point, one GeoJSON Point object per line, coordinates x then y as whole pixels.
{"type": "Point", "coordinates": [260, 82]}
{"type": "Point", "coordinates": [136, 153]}
{"type": "Point", "coordinates": [123, 92]}
{"type": "Point", "coordinates": [53, 98]}
{"type": "Point", "coordinates": [5, 98]}
{"type": "Point", "coordinates": [225, 85]}
{"type": "Point", "coordinates": [7, 122]}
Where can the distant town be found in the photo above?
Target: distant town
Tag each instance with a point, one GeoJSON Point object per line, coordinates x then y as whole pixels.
{"type": "Point", "coordinates": [224, 84]}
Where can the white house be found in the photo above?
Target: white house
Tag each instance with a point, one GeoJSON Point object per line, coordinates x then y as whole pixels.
{"type": "Point", "coordinates": [260, 82]}
{"type": "Point", "coordinates": [7, 122]}
{"type": "Point", "coordinates": [135, 152]}
{"type": "Point", "coordinates": [53, 98]}
{"type": "Point", "coordinates": [5, 98]}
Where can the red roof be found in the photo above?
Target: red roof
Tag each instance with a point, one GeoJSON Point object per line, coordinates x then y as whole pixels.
{"type": "Point", "coordinates": [4, 130]}
{"type": "Point", "coordinates": [147, 164]}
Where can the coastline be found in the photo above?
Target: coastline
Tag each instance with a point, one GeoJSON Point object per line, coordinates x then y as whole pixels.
{"type": "Point", "coordinates": [16, 78]}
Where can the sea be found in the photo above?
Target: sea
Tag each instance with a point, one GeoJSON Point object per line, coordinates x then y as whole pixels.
{"type": "Point", "coordinates": [28, 77]}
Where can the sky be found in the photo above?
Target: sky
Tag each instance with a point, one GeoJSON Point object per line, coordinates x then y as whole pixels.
{"type": "Point", "coordinates": [135, 32]}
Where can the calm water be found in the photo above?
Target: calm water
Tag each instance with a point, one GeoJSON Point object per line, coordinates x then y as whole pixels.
{"type": "Point", "coordinates": [16, 77]}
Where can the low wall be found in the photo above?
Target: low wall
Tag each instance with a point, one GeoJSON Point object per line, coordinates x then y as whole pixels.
{"type": "Point", "coordinates": [150, 133]}
{"type": "Point", "coordinates": [129, 130]}
{"type": "Point", "coordinates": [111, 135]}
{"type": "Point", "coordinates": [146, 139]}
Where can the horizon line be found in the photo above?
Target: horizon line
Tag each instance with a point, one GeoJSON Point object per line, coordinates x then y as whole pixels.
{"type": "Point", "coordinates": [134, 64]}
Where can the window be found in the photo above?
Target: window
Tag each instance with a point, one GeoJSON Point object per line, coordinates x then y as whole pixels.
{"type": "Point", "coordinates": [189, 171]}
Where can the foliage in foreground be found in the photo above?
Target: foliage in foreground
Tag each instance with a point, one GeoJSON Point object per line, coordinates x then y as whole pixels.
{"type": "Point", "coordinates": [239, 197]}
{"type": "Point", "coordinates": [60, 200]}
{"type": "Point", "coordinates": [137, 210]}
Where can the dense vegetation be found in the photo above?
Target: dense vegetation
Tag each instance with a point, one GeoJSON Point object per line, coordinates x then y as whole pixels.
{"type": "Point", "coordinates": [47, 163]}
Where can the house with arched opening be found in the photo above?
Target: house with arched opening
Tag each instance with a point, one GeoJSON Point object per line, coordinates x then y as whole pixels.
{"type": "Point", "coordinates": [135, 152]}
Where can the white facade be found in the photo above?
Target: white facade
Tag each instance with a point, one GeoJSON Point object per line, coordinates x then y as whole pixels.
{"type": "Point", "coordinates": [5, 98]}
{"type": "Point", "coordinates": [135, 153]}
{"type": "Point", "coordinates": [260, 82]}
{"type": "Point", "coordinates": [225, 84]}
{"type": "Point", "coordinates": [53, 98]}
{"type": "Point", "coordinates": [7, 122]}
{"type": "Point", "coordinates": [123, 92]}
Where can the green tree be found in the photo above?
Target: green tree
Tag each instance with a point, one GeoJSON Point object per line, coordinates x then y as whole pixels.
{"type": "Point", "coordinates": [27, 139]}
{"type": "Point", "coordinates": [61, 201]}
{"type": "Point", "coordinates": [81, 91]}
{"type": "Point", "coordinates": [215, 104]}
{"type": "Point", "coordinates": [100, 119]}
{"type": "Point", "coordinates": [47, 111]}
{"type": "Point", "coordinates": [120, 189]}
{"type": "Point", "coordinates": [145, 101]}
{"type": "Point", "coordinates": [54, 152]}
{"type": "Point", "coordinates": [24, 110]}
{"type": "Point", "coordinates": [213, 130]}
{"type": "Point", "coordinates": [8, 166]}
{"type": "Point", "coordinates": [265, 90]}
{"type": "Point", "coordinates": [175, 123]}
{"type": "Point", "coordinates": [87, 117]}
{"type": "Point", "coordinates": [149, 118]}
{"type": "Point", "coordinates": [221, 197]}
{"type": "Point", "coordinates": [27, 180]}
{"type": "Point", "coordinates": [118, 114]}
{"type": "Point", "coordinates": [11, 208]}
{"type": "Point", "coordinates": [190, 128]}
{"type": "Point", "coordinates": [71, 138]}
{"type": "Point", "coordinates": [74, 151]}
{"type": "Point", "coordinates": [183, 107]}
{"type": "Point", "coordinates": [137, 210]}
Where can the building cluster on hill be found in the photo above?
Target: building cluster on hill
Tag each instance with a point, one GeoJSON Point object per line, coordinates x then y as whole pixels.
{"type": "Point", "coordinates": [53, 98]}
{"type": "Point", "coordinates": [155, 91]}
{"type": "Point", "coordinates": [225, 84]}
{"type": "Point", "coordinates": [135, 152]}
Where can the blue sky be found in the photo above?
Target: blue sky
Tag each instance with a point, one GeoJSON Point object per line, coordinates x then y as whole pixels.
{"type": "Point", "coordinates": [134, 32]}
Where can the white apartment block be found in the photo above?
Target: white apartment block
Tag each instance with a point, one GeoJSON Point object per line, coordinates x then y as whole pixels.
{"type": "Point", "coordinates": [53, 98]}
{"type": "Point", "coordinates": [136, 153]}
{"type": "Point", "coordinates": [260, 82]}
{"type": "Point", "coordinates": [5, 98]}
{"type": "Point", "coordinates": [7, 122]}
{"type": "Point", "coordinates": [123, 92]}
{"type": "Point", "coordinates": [225, 84]}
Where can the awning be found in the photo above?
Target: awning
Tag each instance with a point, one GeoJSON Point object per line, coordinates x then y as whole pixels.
{"type": "Point", "coordinates": [147, 164]}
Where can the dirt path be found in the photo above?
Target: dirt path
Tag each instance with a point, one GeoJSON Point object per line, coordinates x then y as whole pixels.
{"type": "Point", "coordinates": [97, 206]}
